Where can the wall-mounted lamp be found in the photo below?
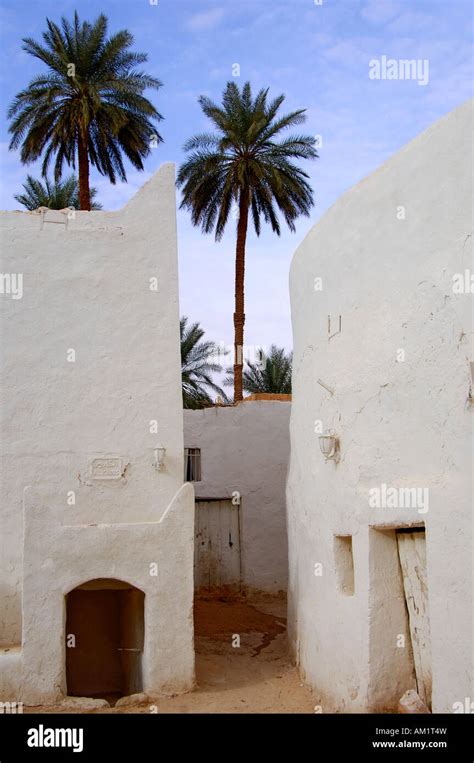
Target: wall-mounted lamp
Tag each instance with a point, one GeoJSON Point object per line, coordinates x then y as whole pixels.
{"type": "Point", "coordinates": [329, 444]}
{"type": "Point", "coordinates": [159, 457]}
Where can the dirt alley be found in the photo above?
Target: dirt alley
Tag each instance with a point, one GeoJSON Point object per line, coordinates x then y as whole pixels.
{"type": "Point", "coordinates": [255, 677]}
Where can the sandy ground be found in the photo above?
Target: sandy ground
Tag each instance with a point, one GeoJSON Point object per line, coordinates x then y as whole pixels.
{"type": "Point", "coordinates": [255, 677]}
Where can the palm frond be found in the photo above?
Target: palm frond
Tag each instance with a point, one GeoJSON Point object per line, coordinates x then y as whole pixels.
{"type": "Point", "coordinates": [270, 373]}
{"type": "Point", "coordinates": [53, 194]}
{"type": "Point", "coordinates": [244, 154]}
{"type": "Point", "coordinates": [198, 364]}
{"type": "Point", "coordinates": [92, 87]}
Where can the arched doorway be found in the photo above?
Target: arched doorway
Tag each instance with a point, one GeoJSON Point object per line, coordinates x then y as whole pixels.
{"type": "Point", "coordinates": [104, 639]}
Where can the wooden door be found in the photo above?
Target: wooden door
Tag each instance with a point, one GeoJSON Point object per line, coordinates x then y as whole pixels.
{"type": "Point", "coordinates": [217, 545]}
{"type": "Point", "coordinates": [412, 553]}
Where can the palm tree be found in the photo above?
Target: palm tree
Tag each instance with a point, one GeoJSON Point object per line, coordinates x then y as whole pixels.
{"type": "Point", "coordinates": [243, 164]}
{"type": "Point", "coordinates": [88, 103]}
{"type": "Point", "coordinates": [270, 373]}
{"type": "Point", "coordinates": [197, 366]}
{"type": "Point", "coordinates": [54, 195]}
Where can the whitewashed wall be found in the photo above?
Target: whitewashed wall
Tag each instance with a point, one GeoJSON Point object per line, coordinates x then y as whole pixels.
{"type": "Point", "coordinates": [386, 254]}
{"type": "Point", "coordinates": [87, 288]}
{"type": "Point", "coordinates": [245, 448]}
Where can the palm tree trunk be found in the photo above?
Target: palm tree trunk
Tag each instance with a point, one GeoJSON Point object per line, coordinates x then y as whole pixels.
{"type": "Point", "coordinates": [239, 315]}
{"type": "Point", "coordinates": [84, 190]}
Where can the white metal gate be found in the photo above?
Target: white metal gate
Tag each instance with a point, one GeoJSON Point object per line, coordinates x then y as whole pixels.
{"type": "Point", "coordinates": [217, 545]}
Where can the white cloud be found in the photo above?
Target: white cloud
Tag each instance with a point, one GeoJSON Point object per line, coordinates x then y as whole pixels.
{"type": "Point", "coordinates": [379, 11]}
{"type": "Point", "coordinates": [416, 23]}
{"type": "Point", "coordinates": [322, 39]}
{"type": "Point", "coordinates": [347, 53]}
{"type": "Point", "coordinates": [205, 20]}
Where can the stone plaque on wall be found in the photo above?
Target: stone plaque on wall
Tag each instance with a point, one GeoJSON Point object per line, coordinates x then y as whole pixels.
{"type": "Point", "coordinates": [106, 468]}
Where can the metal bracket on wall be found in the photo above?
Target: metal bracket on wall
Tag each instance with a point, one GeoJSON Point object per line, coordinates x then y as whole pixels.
{"type": "Point", "coordinates": [326, 387]}
{"type": "Point", "coordinates": [330, 336]}
{"type": "Point", "coordinates": [55, 216]}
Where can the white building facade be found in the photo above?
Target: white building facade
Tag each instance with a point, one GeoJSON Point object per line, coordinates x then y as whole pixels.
{"type": "Point", "coordinates": [242, 454]}
{"type": "Point", "coordinates": [96, 521]}
{"type": "Point", "coordinates": [380, 534]}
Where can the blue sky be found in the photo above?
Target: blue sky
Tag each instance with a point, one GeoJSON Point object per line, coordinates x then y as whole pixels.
{"type": "Point", "coordinates": [318, 55]}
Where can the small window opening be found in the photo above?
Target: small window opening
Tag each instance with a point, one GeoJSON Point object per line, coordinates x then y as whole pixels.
{"type": "Point", "coordinates": [192, 464]}
{"type": "Point", "coordinates": [344, 562]}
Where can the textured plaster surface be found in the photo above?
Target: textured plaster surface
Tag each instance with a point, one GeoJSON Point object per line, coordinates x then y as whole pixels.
{"type": "Point", "coordinates": [86, 288]}
{"type": "Point", "coordinates": [245, 448]}
{"type": "Point", "coordinates": [403, 423]}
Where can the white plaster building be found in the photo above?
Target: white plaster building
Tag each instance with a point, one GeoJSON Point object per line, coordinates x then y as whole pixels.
{"type": "Point", "coordinates": [381, 292]}
{"type": "Point", "coordinates": [242, 455]}
{"type": "Point", "coordinates": [96, 576]}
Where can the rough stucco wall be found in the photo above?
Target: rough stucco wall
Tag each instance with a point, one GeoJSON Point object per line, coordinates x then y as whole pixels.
{"type": "Point", "coordinates": [400, 423]}
{"type": "Point", "coordinates": [60, 557]}
{"type": "Point", "coordinates": [86, 286]}
{"type": "Point", "coordinates": [245, 448]}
